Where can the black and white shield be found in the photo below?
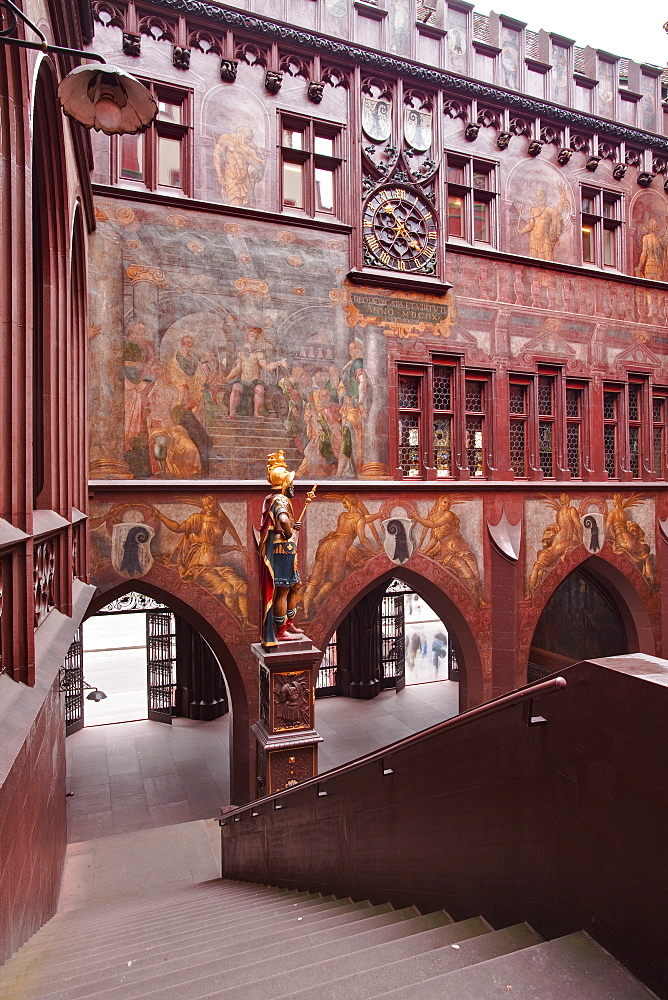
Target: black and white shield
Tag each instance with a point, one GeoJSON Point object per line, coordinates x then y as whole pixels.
{"type": "Point", "coordinates": [377, 118]}
{"type": "Point", "coordinates": [398, 541]}
{"type": "Point", "coordinates": [417, 129]}
{"type": "Point", "coordinates": [593, 531]}
{"type": "Point", "coordinates": [131, 548]}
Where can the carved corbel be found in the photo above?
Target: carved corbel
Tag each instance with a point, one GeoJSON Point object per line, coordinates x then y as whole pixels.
{"type": "Point", "coordinates": [131, 44]}
{"type": "Point", "coordinates": [592, 163]}
{"type": "Point", "coordinates": [471, 131]}
{"type": "Point", "coordinates": [315, 91]}
{"type": "Point", "coordinates": [618, 171]}
{"type": "Point", "coordinates": [273, 81]}
{"type": "Point", "coordinates": [564, 155]}
{"type": "Point", "coordinates": [228, 70]}
{"type": "Point", "coordinates": [181, 57]}
{"type": "Point", "coordinates": [503, 139]}
{"type": "Point", "coordinates": [645, 179]}
{"type": "Point", "coordinates": [534, 148]}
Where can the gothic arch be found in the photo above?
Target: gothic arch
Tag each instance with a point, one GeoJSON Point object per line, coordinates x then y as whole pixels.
{"type": "Point", "coordinates": [620, 593]}
{"type": "Point", "coordinates": [241, 742]}
{"type": "Point", "coordinates": [463, 619]}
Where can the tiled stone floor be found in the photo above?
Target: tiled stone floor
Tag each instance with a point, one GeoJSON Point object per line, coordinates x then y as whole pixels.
{"type": "Point", "coordinates": [141, 775]}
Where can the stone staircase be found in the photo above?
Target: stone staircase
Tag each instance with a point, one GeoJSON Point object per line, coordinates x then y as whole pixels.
{"type": "Point", "coordinates": [243, 444]}
{"type": "Point", "coordinates": [240, 941]}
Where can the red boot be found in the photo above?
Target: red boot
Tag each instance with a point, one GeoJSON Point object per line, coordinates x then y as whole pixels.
{"type": "Point", "coordinates": [283, 634]}
{"type": "Point", "coordinates": [292, 628]}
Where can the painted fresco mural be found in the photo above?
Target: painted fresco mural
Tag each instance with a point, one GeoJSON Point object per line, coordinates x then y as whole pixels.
{"type": "Point", "coordinates": [622, 525]}
{"type": "Point", "coordinates": [233, 343]}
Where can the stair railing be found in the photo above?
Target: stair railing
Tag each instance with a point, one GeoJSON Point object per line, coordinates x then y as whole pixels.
{"type": "Point", "coordinates": [523, 696]}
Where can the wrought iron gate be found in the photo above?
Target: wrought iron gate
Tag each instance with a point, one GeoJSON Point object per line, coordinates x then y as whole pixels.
{"type": "Point", "coordinates": [327, 671]}
{"type": "Point", "coordinates": [392, 636]}
{"type": "Point", "coordinates": [71, 685]}
{"type": "Point", "coordinates": [161, 665]}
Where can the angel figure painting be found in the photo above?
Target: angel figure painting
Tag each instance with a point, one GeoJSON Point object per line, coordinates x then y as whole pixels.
{"type": "Point", "coordinates": [447, 545]}
{"type": "Point", "coordinates": [627, 537]}
{"type": "Point", "coordinates": [199, 554]}
{"type": "Point", "coordinates": [565, 532]}
{"type": "Point", "coordinates": [342, 550]}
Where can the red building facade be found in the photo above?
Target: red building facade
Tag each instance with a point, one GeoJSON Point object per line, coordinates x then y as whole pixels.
{"type": "Point", "coordinates": [425, 253]}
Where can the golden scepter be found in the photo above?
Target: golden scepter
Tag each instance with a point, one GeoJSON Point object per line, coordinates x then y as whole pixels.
{"type": "Point", "coordinates": [309, 496]}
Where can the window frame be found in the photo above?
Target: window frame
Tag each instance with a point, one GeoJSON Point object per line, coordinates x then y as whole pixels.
{"type": "Point", "coordinates": [471, 195]}
{"type": "Point", "coordinates": [616, 422]}
{"type": "Point", "coordinates": [660, 425]}
{"type": "Point", "coordinates": [311, 161]}
{"type": "Point", "coordinates": [579, 421]}
{"type": "Point", "coordinates": [458, 414]}
{"type": "Point", "coordinates": [598, 224]}
{"type": "Point", "coordinates": [150, 144]}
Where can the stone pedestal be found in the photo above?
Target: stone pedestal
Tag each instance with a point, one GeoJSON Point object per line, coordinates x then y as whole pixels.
{"type": "Point", "coordinates": [287, 743]}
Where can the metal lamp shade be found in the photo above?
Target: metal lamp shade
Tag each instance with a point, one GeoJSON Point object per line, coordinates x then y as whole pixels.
{"type": "Point", "coordinates": [96, 695]}
{"type": "Point", "coordinates": [107, 99]}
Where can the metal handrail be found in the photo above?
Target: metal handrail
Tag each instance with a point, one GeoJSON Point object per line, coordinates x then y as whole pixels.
{"type": "Point", "coordinates": [489, 708]}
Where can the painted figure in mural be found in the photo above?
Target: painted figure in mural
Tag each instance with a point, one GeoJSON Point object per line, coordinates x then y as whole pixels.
{"type": "Point", "coordinates": [447, 545]}
{"type": "Point", "coordinates": [172, 453]}
{"type": "Point", "coordinates": [215, 385]}
{"type": "Point", "coordinates": [352, 391]}
{"type": "Point", "coordinates": [280, 582]}
{"type": "Point", "coordinates": [323, 429]}
{"type": "Point", "coordinates": [139, 372]}
{"type": "Point", "coordinates": [239, 166]}
{"type": "Point", "coordinates": [187, 374]}
{"type": "Point", "coordinates": [558, 539]}
{"type": "Point", "coordinates": [295, 387]}
{"type": "Point", "coordinates": [652, 254]}
{"type": "Point", "coordinates": [198, 554]}
{"type": "Point", "coordinates": [248, 389]}
{"type": "Point", "coordinates": [546, 224]}
{"type": "Point", "coordinates": [342, 550]}
{"type": "Point", "coordinates": [627, 537]}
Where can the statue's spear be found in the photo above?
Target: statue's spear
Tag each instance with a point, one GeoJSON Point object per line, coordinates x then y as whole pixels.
{"type": "Point", "coordinates": [309, 497]}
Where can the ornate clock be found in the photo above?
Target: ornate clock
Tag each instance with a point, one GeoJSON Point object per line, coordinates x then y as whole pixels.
{"type": "Point", "coordinates": [400, 231]}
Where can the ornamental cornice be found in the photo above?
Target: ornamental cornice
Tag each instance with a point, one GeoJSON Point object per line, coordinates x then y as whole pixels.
{"type": "Point", "coordinates": [403, 67]}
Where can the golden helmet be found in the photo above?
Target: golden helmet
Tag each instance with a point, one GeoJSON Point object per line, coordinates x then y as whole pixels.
{"type": "Point", "coordinates": [277, 471]}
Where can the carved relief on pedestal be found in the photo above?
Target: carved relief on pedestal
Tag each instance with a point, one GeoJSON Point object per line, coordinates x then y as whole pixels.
{"type": "Point", "coordinates": [289, 767]}
{"type": "Point", "coordinates": [291, 701]}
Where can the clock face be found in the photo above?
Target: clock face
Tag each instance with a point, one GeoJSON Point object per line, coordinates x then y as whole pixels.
{"type": "Point", "coordinates": [400, 230]}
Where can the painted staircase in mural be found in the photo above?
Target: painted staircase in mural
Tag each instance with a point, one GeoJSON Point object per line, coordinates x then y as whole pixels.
{"type": "Point", "coordinates": [244, 941]}
{"type": "Point", "coordinates": [248, 459]}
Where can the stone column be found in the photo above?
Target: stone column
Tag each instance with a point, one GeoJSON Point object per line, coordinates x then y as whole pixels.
{"type": "Point", "coordinates": [287, 743]}
{"type": "Point", "coordinates": [106, 393]}
{"type": "Point", "coordinates": [376, 443]}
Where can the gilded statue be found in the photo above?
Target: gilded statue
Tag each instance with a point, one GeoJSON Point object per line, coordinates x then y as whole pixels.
{"type": "Point", "coordinates": [546, 223]}
{"type": "Point", "coordinates": [447, 546]}
{"type": "Point", "coordinates": [198, 556]}
{"type": "Point", "coordinates": [280, 582]}
{"type": "Point", "coordinates": [651, 262]}
{"type": "Point", "coordinates": [627, 537]}
{"type": "Point", "coordinates": [558, 539]}
{"type": "Point", "coordinates": [342, 550]}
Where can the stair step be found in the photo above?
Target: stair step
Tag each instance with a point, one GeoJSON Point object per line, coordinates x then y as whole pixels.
{"type": "Point", "coordinates": [569, 968]}
{"type": "Point", "coordinates": [242, 951]}
{"type": "Point", "coordinates": [357, 982]}
{"type": "Point", "coordinates": [71, 951]}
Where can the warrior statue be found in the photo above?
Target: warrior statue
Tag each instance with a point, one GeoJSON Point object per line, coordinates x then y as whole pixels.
{"type": "Point", "coordinates": [277, 541]}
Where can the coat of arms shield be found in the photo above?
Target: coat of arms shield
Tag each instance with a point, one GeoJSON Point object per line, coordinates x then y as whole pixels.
{"type": "Point", "coordinates": [417, 129]}
{"type": "Point", "coordinates": [131, 548]}
{"type": "Point", "coordinates": [593, 531]}
{"type": "Point", "coordinates": [377, 118]}
{"type": "Point", "coordinates": [398, 540]}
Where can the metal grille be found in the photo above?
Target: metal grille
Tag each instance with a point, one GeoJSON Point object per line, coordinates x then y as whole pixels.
{"type": "Point", "coordinates": [634, 447]}
{"type": "Point", "coordinates": [327, 671]}
{"type": "Point", "coordinates": [481, 27]}
{"type": "Point", "coordinates": [573, 449]}
{"type": "Point", "coordinates": [474, 446]}
{"type": "Point", "coordinates": [545, 404]}
{"type": "Point", "coordinates": [545, 448]}
{"type": "Point", "coordinates": [409, 445]}
{"type": "Point", "coordinates": [71, 684]}
{"type": "Point", "coordinates": [532, 44]}
{"type": "Point", "coordinates": [392, 639]}
{"type": "Point", "coordinates": [657, 410]}
{"type": "Point", "coordinates": [409, 392]}
{"type": "Point", "coordinates": [443, 446]}
{"type": "Point", "coordinates": [130, 602]}
{"type": "Point", "coordinates": [573, 402]}
{"type": "Point", "coordinates": [517, 448]}
{"type": "Point", "coordinates": [634, 402]}
{"type": "Point", "coordinates": [610, 451]}
{"type": "Point", "coordinates": [474, 396]}
{"type": "Point", "coordinates": [609, 405]}
{"type": "Point", "coordinates": [518, 395]}
{"type": "Point", "coordinates": [658, 452]}
{"type": "Point", "coordinates": [442, 389]}
{"type": "Point", "coordinates": [161, 664]}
